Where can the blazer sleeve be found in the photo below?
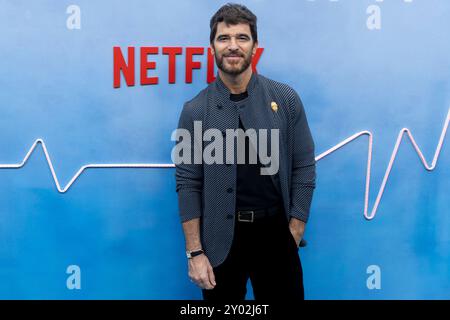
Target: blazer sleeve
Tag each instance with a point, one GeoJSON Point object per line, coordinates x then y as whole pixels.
{"type": "Point", "coordinates": [189, 176]}
{"type": "Point", "coordinates": [303, 178]}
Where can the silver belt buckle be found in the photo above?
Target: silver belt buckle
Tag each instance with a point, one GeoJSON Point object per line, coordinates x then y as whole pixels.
{"type": "Point", "coordinates": [246, 220]}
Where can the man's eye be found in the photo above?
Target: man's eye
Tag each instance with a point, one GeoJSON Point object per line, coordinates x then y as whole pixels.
{"type": "Point", "coordinates": [243, 38]}
{"type": "Point", "coordinates": [222, 38]}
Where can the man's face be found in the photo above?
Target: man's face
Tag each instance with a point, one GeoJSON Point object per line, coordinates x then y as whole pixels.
{"type": "Point", "coordinates": [233, 48]}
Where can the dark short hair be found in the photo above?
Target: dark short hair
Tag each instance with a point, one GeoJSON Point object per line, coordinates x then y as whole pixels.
{"type": "Point", "coordinates": [233, 14]}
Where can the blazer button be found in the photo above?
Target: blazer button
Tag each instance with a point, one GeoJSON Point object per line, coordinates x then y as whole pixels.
{"type": "Point", "coordinates": [219, 107]}
{"type": "Point", "coordinates": [230, 216]}
{"type": "Point", "coordinates": [230, 190]}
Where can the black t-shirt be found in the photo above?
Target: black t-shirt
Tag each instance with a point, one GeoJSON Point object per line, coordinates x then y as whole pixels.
{"type": "Point", "coordinates": [253, 190]}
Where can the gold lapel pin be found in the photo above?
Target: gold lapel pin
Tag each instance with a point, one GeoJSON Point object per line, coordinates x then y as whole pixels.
{"type": "Point", "coordinates": [274, 106]}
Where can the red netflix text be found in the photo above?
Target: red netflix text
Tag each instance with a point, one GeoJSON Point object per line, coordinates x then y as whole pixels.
{"type": "Point", "coordinates": [127, 68]}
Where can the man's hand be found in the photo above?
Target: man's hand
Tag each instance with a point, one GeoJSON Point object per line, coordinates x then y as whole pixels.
{"type": "Point", "coordinates": [201, 272]}
{"type": "Point", "coordinates": [297, 228]}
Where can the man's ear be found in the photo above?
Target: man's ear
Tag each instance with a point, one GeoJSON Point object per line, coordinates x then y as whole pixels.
{"type": "Point", "coordinates": [255, 47]}
{"type": "Point", "coordinates": [212, 48]}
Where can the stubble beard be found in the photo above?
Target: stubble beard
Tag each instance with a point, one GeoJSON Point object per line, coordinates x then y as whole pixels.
{"type": "Point", "coordinates": [233, 71]}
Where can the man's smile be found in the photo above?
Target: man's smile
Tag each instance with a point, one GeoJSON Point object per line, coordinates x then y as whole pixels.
{"type": "Point", "coordinates": [233, 58]}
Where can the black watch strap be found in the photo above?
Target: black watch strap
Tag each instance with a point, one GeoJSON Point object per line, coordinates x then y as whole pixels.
{"type": "Point", "coordinates": [191, 254]}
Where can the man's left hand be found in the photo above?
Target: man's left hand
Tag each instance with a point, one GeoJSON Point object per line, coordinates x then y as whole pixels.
{"type": "Point", "coordinates": [297, 228]}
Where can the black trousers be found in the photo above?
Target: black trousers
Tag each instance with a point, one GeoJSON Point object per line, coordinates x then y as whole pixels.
{"type": "Point", "coordinates": [264, 251]}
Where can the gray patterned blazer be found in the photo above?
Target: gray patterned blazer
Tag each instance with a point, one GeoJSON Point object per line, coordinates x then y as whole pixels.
{"type": "Point", "coordinates": [208, 191]}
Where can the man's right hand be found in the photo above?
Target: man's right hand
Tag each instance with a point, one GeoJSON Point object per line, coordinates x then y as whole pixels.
{"type": "Point", "coordinates": [201, 272]}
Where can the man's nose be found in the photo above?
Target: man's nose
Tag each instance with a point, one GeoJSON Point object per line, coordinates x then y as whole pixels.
{"type": "Point", "coordinates": [233, 44]}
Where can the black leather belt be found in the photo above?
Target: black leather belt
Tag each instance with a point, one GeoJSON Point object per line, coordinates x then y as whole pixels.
{"type": "Point", "coordinates": [252, 215]}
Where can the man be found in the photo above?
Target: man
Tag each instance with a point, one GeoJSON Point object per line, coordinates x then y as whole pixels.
{"type": "Point", "coordinates": [239, 223]}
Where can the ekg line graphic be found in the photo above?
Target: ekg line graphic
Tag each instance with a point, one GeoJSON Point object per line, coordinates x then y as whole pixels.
{"type": "Point", "coordinates": [318, 158]}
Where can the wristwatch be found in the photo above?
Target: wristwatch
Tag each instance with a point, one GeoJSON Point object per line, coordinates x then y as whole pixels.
{"type": "Point", "coordinates": [194, 253]}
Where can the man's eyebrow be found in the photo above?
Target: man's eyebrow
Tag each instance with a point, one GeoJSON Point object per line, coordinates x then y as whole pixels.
{"type": "Point", "coordinates": [237, 34]}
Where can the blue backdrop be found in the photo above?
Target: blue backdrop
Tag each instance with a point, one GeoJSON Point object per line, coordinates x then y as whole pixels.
{"type": "Point", "coordinates": [357, 65]}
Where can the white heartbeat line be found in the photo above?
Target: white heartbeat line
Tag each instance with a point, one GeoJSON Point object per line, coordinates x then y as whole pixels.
{"type": "Point", "coordinates": [318, 158]}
